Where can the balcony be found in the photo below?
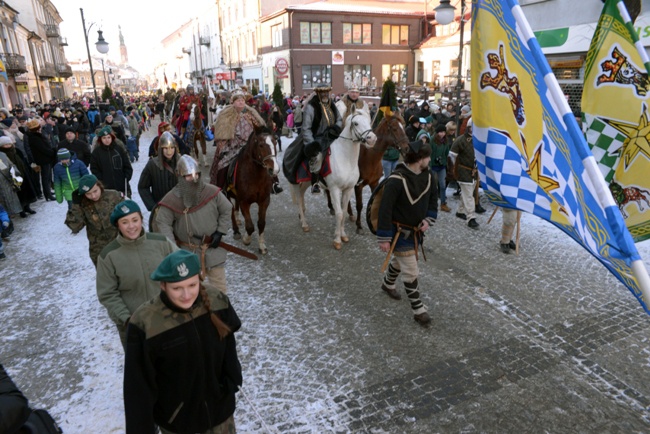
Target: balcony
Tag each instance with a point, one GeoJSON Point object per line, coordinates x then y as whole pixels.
{"type": "Point", "coordinates": [14, 63]}
{"type": "Point", "coordinates": [63, 41]}
{"type": "Point", "coordinates": [204, 40]}
{"type": "Point", "coordinates": [47, 70]}
{"type": "Point", "coordinates": [64, 70]}
{"type": "Point", "coordinates": [52, 31]}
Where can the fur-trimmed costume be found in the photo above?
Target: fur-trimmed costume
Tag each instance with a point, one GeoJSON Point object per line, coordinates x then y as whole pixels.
{"type": "Point", "coordinates": [344, 104]}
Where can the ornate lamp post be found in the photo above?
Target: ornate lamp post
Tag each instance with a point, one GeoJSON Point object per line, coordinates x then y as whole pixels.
{"type": "Point", "coordinates": [101, 45]}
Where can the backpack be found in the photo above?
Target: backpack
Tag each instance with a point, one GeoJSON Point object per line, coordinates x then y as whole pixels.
{"type": "Point", "coordinates": [40, 422]}
{"type": "Point", "coordinates": [372, 209]}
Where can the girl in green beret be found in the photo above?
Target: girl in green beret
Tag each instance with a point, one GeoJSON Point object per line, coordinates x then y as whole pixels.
{"type": "Point", "coordinates": [181, 370]}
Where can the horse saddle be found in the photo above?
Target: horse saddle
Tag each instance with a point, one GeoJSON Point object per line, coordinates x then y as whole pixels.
{"type": "Point", "coordinates": [231, 175]}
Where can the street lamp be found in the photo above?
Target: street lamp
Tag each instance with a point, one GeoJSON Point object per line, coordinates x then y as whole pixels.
{"type": "Point", "coordinates": [101, 45]}
{"type": "Point", "coordinates": [445, 14]}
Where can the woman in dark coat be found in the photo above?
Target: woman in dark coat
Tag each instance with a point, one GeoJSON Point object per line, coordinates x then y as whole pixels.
{"type": "Point", "coordinates": [44, 155]}
{"type": "Point", "coordinates": [159, 175]}
{"type": "Point", "coordinates": [110, 163]}
{"type": "Point", "coordinates": [27, 193]}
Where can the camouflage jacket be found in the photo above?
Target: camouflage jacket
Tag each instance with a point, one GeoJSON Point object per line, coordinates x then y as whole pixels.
{"type": "Point", "coordinates": [96, 218]}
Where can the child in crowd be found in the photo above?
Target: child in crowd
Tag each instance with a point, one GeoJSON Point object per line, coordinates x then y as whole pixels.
{"type": "Point", "coordinates": [67, 173]}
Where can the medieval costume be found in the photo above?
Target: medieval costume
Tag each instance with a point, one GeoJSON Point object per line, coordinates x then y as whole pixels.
{"type": "Point", "coordinates": [462, 156]}
{"type": "Point", "coordinates": [409, 205]}
{"type": "Point", "coordinates": [352, 99]}
{"type": "Point", "coordinates": [195, 215]}
{"type": "Point", "coordinates": [185, 104]}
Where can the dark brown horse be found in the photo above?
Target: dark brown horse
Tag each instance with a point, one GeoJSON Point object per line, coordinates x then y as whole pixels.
{"type": "Point", "coordinates": [390, 133]}
{"type": "Point", "coordinates": [197, 134]}
{"type": "Point", "coordinates": [255, 167]}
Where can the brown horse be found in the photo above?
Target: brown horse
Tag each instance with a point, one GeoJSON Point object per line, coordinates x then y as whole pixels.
{"type": "Point", "coordinates": [390, 133]}
{"type": "Point", "coordinates": [198, 135]}
{"type": "Point", "coordinates": [252, 178]}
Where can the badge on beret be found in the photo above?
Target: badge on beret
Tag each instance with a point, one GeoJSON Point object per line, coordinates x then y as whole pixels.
{"type": "Point", "coordinates": [125, 209]}
{"type": "Point", "coordinates": [182, 270]}
{"type": "Point", "coordinates": [85, 188]}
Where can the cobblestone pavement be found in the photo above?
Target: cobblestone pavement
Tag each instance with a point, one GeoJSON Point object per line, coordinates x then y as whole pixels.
{"type": "Point", "coordinates": [544, 341]}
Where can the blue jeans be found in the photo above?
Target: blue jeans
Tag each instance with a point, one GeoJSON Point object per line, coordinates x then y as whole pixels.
{"type": "Point", "coordinates": [439, 175]}
{"type": "Point", "coordinates": [388, 167]}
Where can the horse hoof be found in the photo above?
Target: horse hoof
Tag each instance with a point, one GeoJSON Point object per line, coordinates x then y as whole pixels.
{"type": "Point", "coordinates": [332, 212]}
{"type": "Point", "coordinates": [247, 241]}
{"type": "Point", "coordinates": [305, 228]}
{"type": "Point", "coordinates": [353, 218]}
{"type": "Point", "coordinates": [359, 231]}
{"type": "Point", "coordinates": [337, 246]}
{"type": "Point", "coordinates": [263, 251]}
{"type": "Point", "coordinates": [237, 236]}
{"type": "Point", "coordinates": [345, 239]}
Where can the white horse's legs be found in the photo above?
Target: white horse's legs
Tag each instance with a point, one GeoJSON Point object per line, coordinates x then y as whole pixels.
{"type": "Point", "coordinates": [336, 194]}
{"type": "Point", "coordinates": [298, 197]}
{"type": "Point", "coordinates": [345, 201]}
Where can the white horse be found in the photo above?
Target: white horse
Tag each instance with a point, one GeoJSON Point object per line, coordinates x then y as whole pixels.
{"type": "Point", "coordinates": [344, 157]}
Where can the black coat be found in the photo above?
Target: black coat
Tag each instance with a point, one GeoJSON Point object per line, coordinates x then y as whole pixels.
{"type": "Point", "coordinates": [156, 180]}
{"type": "Point", "coordinates": [111, 166]}
{"type": "Point", "coordinates": [79, 147]}
{"type": "Point", "coordinates": [42, 152]}
{"type": "Point", "coordinates": [14, 408]}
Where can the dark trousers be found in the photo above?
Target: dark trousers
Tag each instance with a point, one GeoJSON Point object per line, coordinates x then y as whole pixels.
{"type": "Point", "coordinates": [46, 179]}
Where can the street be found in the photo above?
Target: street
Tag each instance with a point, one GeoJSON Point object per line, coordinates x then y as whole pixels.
{"type": "Point", "coordinates": [544, 341]}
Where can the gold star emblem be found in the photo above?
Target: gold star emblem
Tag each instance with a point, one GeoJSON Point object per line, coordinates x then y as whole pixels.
{"type": "Point", "coordinates": [637, 137]}
{"type": "Point", "coordinates": [534, 170]}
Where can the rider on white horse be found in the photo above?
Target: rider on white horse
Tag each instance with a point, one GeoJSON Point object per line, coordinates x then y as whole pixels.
{"type": "Point", "coordinates": [322, 124]}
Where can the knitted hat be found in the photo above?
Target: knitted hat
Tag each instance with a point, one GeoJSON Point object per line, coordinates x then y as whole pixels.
{"type": "Point", "coordinates": [423, 120]}
{"type": "Point", "coordinates": [111, 108]}
{"type": "Point", "coordinates": [441, 128]}
{"type": "Point", "coordinates": [63, 154]}
{"type": "Point", "coordinates": [7, 121]}
{"type": "Point", "coordinates": [6, 140]}
{"type": "Point", "coordinates": [86, 183]}
{"type": "Point", "coordinates": [106, 131]}
{"type": "Point", "coordinates": [5, 111]}
{"type": "Point", "coordinates": [119, 112]}
{"type": "Point", "coordinates": [123, 209]}
{"type": "Point", "coordinates": [57, 113]}
{"type": "Point", "coordinates": [177, 266]}
{"type": "Point", "coordinates": [69, 130]}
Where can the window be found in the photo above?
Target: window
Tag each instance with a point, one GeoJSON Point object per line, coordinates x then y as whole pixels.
{"type": "Point", "coordinates": [313, 75]}
{"type": "Point", "coordinates": [357, 33]}
{"type": "Point", "coordinates": [394, 35]}
{"type": "Point", "coordinates": [315, 33]}
{"type": "Point", "coordinates": [397, 73]}
{"type": "Point", "coordinates": [276, 34]}
{"type": "Point", "coordinates": [356, 74]}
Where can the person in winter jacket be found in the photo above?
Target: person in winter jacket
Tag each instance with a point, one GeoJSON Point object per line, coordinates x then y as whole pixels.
{"type": "Point", "coordinates": [124, 265]}
{"type": "Point", "coordinates": [5, 221]}
{"type": "Point", "coordinates": [44, 155]}
{"type": "Point", "coordinates": [181, 370]}
{"type": "Point", "coordinates": [439, 153]}
{"type": "Point", "coordinates": [14, 407]}
{"type": "Point", "coordinates": [159, 175]}
{"type": "Point", "coordinates": [76, 146]}
{"type": "Point", "coordinates": [67, 173]}
{"type": "Point", "coordinates": [27, 192]}
{"type": "Point", "coordinates": [110, 163]}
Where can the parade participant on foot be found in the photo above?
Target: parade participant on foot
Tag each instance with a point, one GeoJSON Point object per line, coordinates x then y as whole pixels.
{"type": "Point", "coordinates": [162, 127]}
{"type": "Point", "coordinates": [409, 205]}
{"type": "Point", "coordinates": [124, 265]}
{"type": "Point", "coordinates": [196, 215]}
{"type": "Point", "coordinates": [67, 173]}
{"type": "Point", "coordinates": [462, 156]}
{"type": "Point", "coordinates": [159, 175]}
{"type": "Point", "coordinates": [352, 99]}
{"type": "Point", "coordinates": [79, 147]}
{"type": "Point", "coordinates": [232, 128]}
{"type": "Point", "coordinates": [94, 212]}
{"type": "Point", "coordinates": [321, 125]}
{"type": "Point", "coordinates": [110, 163]}
{"type": "Point", "coordinates": [186, 102]}
{"type": "Point", "coordinates": [507, 228]}
{"type": "Point", "coordinates": [181, 370]}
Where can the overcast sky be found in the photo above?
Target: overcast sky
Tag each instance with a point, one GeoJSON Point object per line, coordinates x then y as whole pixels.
{"type": "Point", "coordinates": [144, 24]}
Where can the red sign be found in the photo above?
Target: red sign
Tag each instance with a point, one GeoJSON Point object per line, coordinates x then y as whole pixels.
{"type": "Point", "coordinates": [225, 75]}
{"type": "Point", "coordinates": [281, 66]}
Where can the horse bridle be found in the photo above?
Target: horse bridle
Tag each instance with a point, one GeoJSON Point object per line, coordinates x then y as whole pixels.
{"type": "Point", "coordinates": [264, 160]}
{"type": "Point", "coordinates": [363, 137]}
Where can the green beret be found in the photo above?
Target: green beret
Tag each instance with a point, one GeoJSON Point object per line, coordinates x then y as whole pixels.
{"type": "Point", "coordinates": [177, 266]}
{"type": "Point", "coordinates": [122, 209]}
{"type": "Point", "coordinates": [107, 130]}
{"type": "Point", "coordinates": [86, 183]}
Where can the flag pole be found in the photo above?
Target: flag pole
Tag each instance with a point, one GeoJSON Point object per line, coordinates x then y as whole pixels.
{"type": "Point", "coordinates": [561, 106]}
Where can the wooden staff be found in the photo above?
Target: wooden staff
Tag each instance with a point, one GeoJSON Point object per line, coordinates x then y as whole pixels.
{"type": "Point", "coordinates": [390, 252]}
{"type": "Point", "coordinates": [518, 232]}
{"type": "Point", "coordinates": [496, 208]}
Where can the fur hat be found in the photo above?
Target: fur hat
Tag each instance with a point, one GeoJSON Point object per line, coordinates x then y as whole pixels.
{"type": "Point", "coordinates": [322, 88]}
{"type": "Point", "coordinates": [176, 267]}
{"type": "Point", "coordinates": [33, 124]}
{"type": "Point", "coordinates": [123, 209]}
{"type": "Point", "coordinates": [86, 183]}
{"type": "Point", "coordinates": [236, 95]}
{"type": "Point", "coordinates": [353, 88]}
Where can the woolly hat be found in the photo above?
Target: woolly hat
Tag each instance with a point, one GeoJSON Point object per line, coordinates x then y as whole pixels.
{"type": "Point", "coordinates": [413, 119]}
{"type": "Point", "coordinates": [111, 108]}
{"type": "Point", "coordinates": [33, 124]}
{"type": "Point", "coordinates": [5, 112]}
{"type": "Point", "coordinates": [63, 154]}
{"type": "Point", "coordinates": [106, 131]}
{"type": "Point", "coordinates": [123, 209]}
{"type": "Point", "coordinates": [6, 140]}
{"type": "Point", "coordinates": [465, 109]}
{"type": "Point", "coordinates": [423, 120]}
{"type": "Point", "coordinates": [119, 112]}
{"type": "Point", "coordinates": [69, 130]}
{"type": "Point", "coordinates": [57, 113]}
{"type": "Point", "coordinates": [441, 128]}
{"type": "Point", "coordinates": [7, 121]}
{"type": "Point", "coordinates": [177, 266]}
{"type": "Point", "coordinates": [414, 147]}
{"type": "Point", "coordinates": [423, 133]}
{"type": "Point", "coordinates": [86, 183]}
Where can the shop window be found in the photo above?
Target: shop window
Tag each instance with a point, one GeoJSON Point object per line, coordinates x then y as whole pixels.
{"type": "Point", "coordinates": [397, 73]}
{"type": "Point", "coordinates": [358, 75]}
{"type": "Point", "coordinates": [313, 75]}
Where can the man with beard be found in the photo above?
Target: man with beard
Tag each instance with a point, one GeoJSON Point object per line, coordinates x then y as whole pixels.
{"type": "Point", "coordinates": [352, 99]}
{"type": "Point", "coordinates": [196, 215]}
{"type": "Point", "coordinates": [321, 125]}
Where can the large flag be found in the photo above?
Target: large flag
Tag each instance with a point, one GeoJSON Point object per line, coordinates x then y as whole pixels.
{"type": "Point", "coordinates": [388, 101]}
{"type": "Point", "coordinates": [615, 112]}
{"type": "Point", "coordinates": [530, 151]}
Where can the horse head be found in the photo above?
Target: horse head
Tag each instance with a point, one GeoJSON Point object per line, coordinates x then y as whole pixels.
{"type": "Point", "coordinates": [391, 132]}
{"type": "Point", "coordinates": [358, 128]}
{"type": "Point", "coordinates": [262, 148]}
